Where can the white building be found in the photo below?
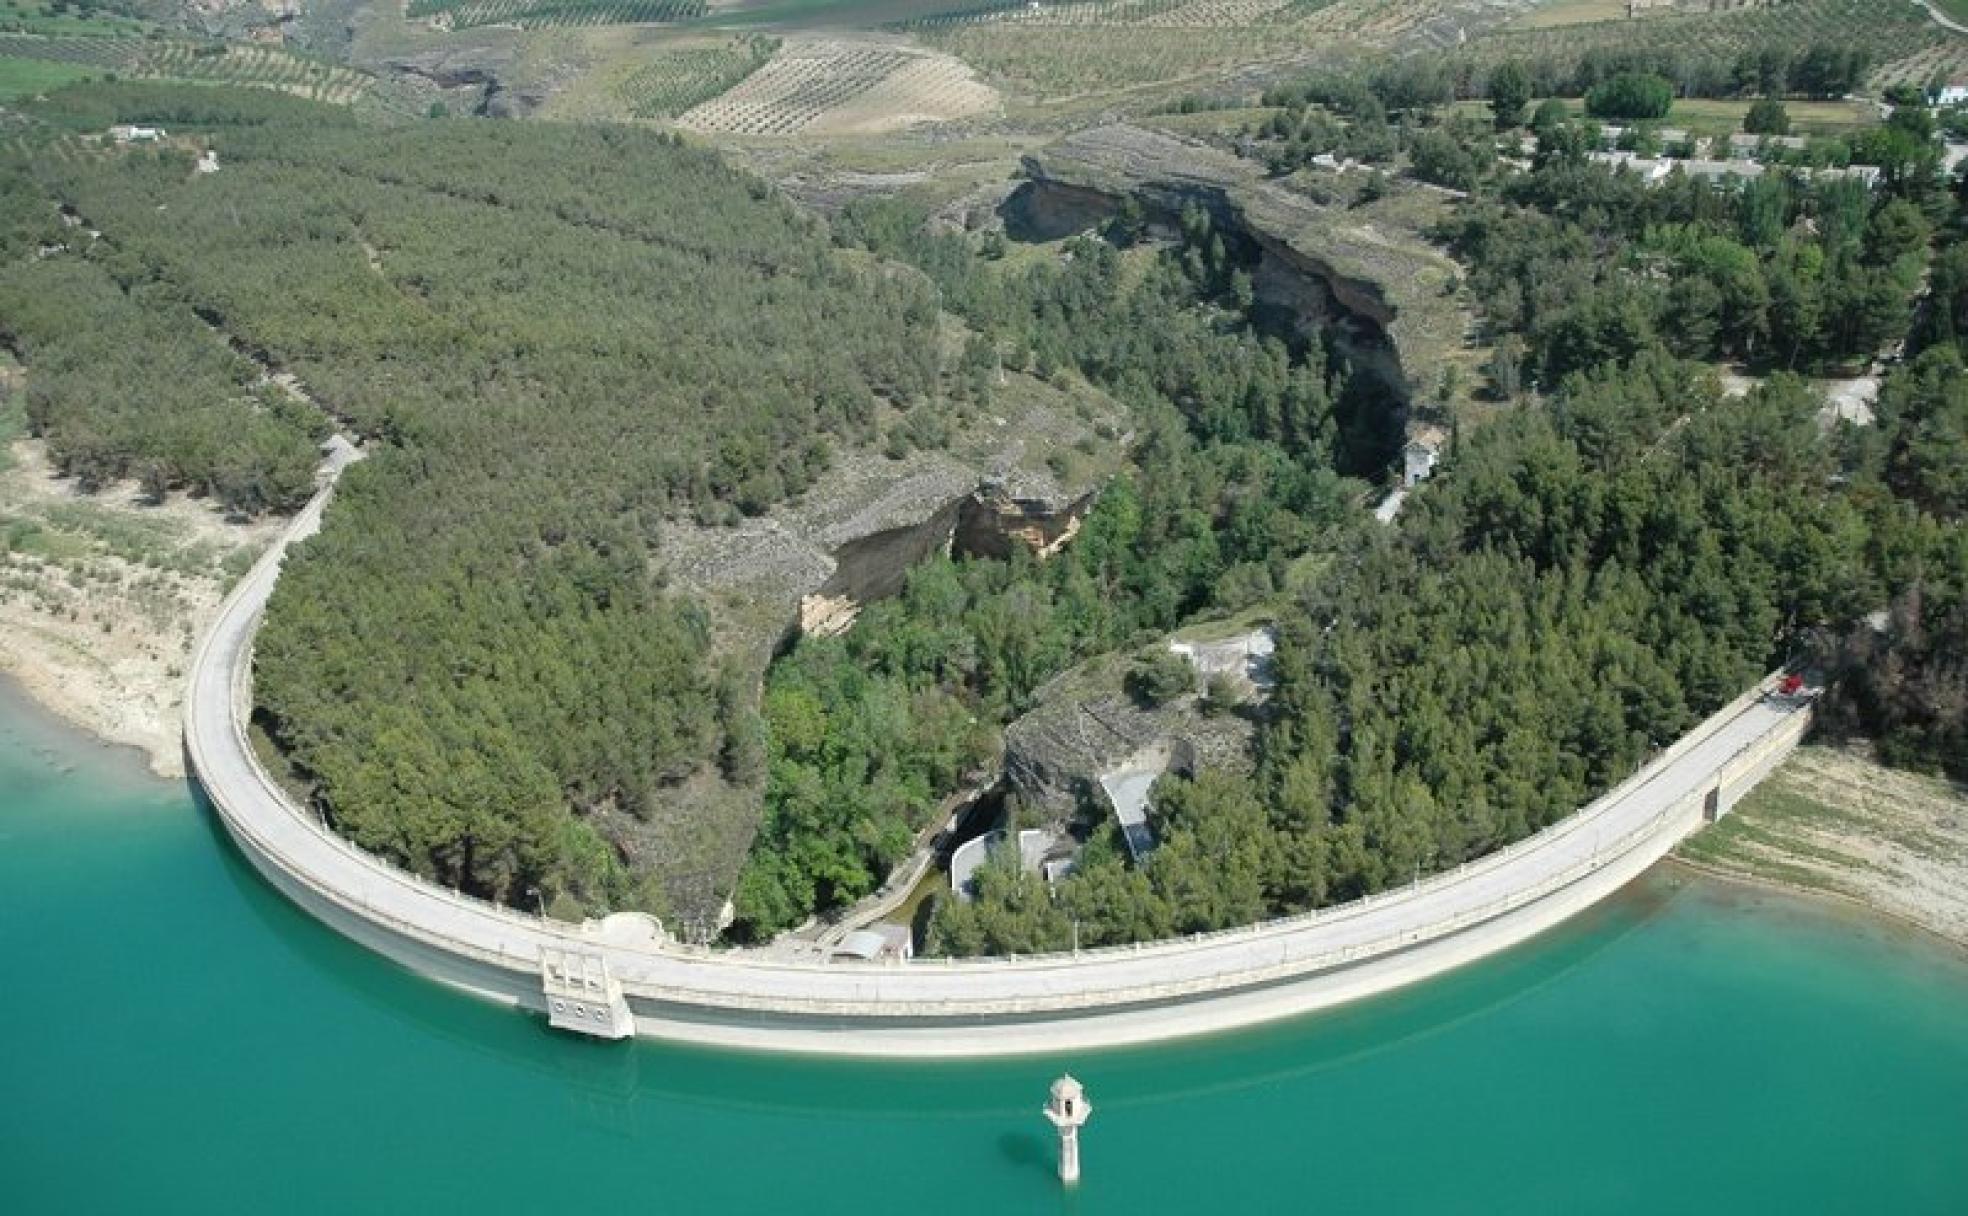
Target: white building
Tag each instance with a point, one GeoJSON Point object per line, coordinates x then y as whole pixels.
{"type": "Point", "coordinates": [1745, 146]}
{"type": "Point", "coordinates": [878, 943]}
{"type": "Point", "coordinates": [1420, 455]}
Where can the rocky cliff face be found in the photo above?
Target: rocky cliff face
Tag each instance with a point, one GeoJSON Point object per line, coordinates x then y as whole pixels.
{"type": "Point", "coordinates": [472, 79]}
{"type": "Point", "coordinates": [995, 522]}
{"type": "Point", "coordinates": [1085, 726]}
{"type": "Point", "coordinates": [1388, 289]}
{"type": "Point", "coordinates": [852, 538]}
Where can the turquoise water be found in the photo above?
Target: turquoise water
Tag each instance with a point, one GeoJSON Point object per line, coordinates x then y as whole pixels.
{"type": "Point", "coordinates": [177, 1039]}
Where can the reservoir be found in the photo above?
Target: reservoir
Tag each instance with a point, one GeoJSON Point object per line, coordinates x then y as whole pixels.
{"type": "Point", "coordinates": [175, 1038]}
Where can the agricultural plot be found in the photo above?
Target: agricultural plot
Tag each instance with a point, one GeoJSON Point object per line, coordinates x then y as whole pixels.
{"type": "Point", "coordinates": [42, 17]}
{"type": "Point", "coordinates": [1051, 64]}
{"type": "Point", "coordinates": [259, 66]}
{"type": "Point", "coordinates": [107, 54]}
{"type": "Point", "coordinates": [1944, 60]}
{"type": "Point", "coordinates": [1555, 13]}
{"type": "Point", "coordinates": [202, 62]}
{"type": "Point", "coordinates": [464, 14]}
{"type": "Point", "coordinates": [1152, 14]}
{"type": "Point", "coordinates": [830, 87]}
{"type": "Point", "coordinates": [27, 77]}
{"type": "Point", "coordinates": [1125, 44]}
{"type": "Point", "coordinates": [671, 82]}
{"type": "Point", "coordinates": [1889, 32]}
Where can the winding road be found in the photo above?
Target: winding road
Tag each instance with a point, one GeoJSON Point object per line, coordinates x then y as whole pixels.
{"type": "Point", "coordinates": [642, 983]}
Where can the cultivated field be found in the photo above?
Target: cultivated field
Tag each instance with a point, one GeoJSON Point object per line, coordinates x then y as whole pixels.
{"type": "Point", "coordinates": [27, 77]}
{"type": "Point", "coordinates": [204, 62]}
{"type": "Point", "coordinates": [1890, 31]}
{"type": "Point", "coordinates": [832, 86]}
{"type": "Point", "coordinates": [1944, 59]}
{"type": "Point", "coordinates": [1554, 13]}
{"type": "Point", "coordinates": [670, 82]}
{"type": "Point", "coordinates": [1122, 44]}
{"type": "Point", "coordinates": [463, 14]}
{"type": "Point", "coordinates": [266, 67]}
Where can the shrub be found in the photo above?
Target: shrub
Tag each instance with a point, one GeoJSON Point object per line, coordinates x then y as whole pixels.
{"type": "Point", "coordinates": [1767, 117]}
{"type": "Point", "coordinates": [1158, 677]}
{"type": "Point", "coordinates": [1631, 95]}
{"type": "Point", "coordinates": [1222, 694]}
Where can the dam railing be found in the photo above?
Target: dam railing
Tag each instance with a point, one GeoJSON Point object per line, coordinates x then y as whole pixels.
{"type": "Point", "coordinates": [262, 814]}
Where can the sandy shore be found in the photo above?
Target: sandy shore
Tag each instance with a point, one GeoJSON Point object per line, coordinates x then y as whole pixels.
{"type": "Point", "coordinates": [103, 596]}
{"type": "Point", "coordinates": [1832, 822]}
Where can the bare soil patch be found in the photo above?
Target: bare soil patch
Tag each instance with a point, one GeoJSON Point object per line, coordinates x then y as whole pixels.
{"type": "Point", "coordinates": [102, 598]}
{"type": "Point", "coordinates": [1834, 821]}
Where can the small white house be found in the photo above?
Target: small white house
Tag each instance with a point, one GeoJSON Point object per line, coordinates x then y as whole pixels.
{"type": "Point", "coordinates": [878, 943]}
{"type": "Point", "coordinates": [1420, 455]}
{"type": "Point", "coordinates": [1953, 93]}
{"type": "Point", "coordinates": [124, 133]}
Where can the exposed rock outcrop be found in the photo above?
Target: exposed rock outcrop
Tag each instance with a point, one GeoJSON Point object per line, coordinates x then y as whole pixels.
{"type": "Point", "coordinates": [1085, 726]}
{"type": "Point", "coordinates": [994, 522]}
{"type": "Point", "coordinates": [1390, 290]}
{"type": "Point", "coordinates": [473, 77]}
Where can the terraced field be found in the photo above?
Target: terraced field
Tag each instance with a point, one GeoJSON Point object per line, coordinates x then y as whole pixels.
{"type": "Point", "coordinates": [838, 87]}
{"type": "Point", "coordinates": [671, 82]}
{"type": "Point", "coordinates": [1124, 44]}
{"type": "Point", "coordinates": [110, 54]}
{"type": "Point", "coordinates": [209, 63]}
{"type": "Point", "coordinates": [1947, 59]}
{"type": "Point", "coordinates": [266, 67]}
{"type": "Point", "coordinates": [464, 14]}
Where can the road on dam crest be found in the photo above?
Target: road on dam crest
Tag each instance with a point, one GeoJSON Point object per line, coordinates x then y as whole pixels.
{"type": "Point", "coordinates": [622, 976]}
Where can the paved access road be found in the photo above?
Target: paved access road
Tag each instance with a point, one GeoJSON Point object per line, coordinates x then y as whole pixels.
{"type": "Point", "coordinates": [1566, 864]}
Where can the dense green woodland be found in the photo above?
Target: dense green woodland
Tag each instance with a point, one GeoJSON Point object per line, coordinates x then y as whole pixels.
{"type": "Point", "coordinates": [556, 339]}
{"type": "Point", "coordinates": [1604, 565]}
{"type": "Point", "coordinates": [1235, 475]}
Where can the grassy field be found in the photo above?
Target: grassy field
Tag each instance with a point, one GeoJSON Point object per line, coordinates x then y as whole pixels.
{"type": "Point", "coordinates": [1556, 13]}
{"type": "Point", "coordinates": [1706, 116]}
{"type": "Point", "coordinates": [1703, 116]}
{"type": "Point", "coordinates": [27, 77]}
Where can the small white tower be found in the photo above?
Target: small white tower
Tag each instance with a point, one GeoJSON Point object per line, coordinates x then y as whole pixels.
{"type": "Point", "coordinates": [1068, 1111]}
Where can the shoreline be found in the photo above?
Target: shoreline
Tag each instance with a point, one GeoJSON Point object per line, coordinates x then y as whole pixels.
{"type": "Point", "coordinates": [69, 747]}
{"type": "Point", "coordinates": [104, 597]}
{"type": "Point", "coordinates": [31, 687]}
{"type": "Point", "coordinates": [1822, 897]}
{"type": "Point", "coordinates": [1835, 822]}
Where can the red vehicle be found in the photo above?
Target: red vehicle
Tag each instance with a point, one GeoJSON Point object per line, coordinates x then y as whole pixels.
{"type": "Point", "coordinates": [1790, 685]}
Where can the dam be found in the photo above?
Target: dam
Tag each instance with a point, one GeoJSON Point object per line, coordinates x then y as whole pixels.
{"type": "Point", "coordinates": [623, 976]}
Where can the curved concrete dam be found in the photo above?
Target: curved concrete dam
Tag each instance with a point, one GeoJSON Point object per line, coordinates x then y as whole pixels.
{"type": "Point", "coordinates": [618, 978]}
